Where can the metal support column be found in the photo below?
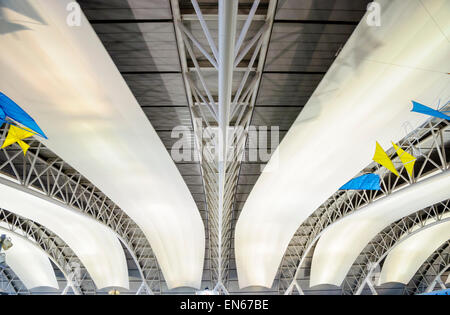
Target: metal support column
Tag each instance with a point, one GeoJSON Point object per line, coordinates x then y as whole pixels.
{"type": "Point", "coordinates": [227, 32]}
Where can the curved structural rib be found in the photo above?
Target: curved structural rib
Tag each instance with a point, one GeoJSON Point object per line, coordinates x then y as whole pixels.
{"type": "Point", "coordinates": [430, 271]}
{"type": "Point", "coordinates": [59, 181]}
{"type": "Point", "coordinates": [29, 263]}
{"type": "Point", "coordinates": [55, 249]}
{"type": "Point", "coordinates": [95, 245]}
{"type": "Point", "coordinates": [341, 244]}
{"type": "Point", "coordinates": [368, 89]}
{"type": "Point", "coordinates": [365, 270]}
{"type": "Point", "coordinates": [406, 258]}
{"type": "Point", "coordinates": [94, 123]}
{"type": "Point", "coordinates": [428, 140]}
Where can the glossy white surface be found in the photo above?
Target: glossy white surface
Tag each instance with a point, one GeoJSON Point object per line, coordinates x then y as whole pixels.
{"type": "Point", "coordinates": [365, 97]}
{"type": "Point", "coordinates": [405, 259]}
{"type": "Point", "coordinates": [343, 241]}
{"type": "Point", "coordinates": [29, 263]}
{"type": "Point", "coordinates": [94, 244]}
{"type": "Point", "coordinates": [64, 78]}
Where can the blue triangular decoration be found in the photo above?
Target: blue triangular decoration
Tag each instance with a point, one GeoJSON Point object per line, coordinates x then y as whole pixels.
{"type": "Point", "coordinates": [363, 182]}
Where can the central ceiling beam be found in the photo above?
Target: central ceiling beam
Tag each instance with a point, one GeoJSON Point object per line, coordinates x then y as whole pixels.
{"type": "Point", "coordinates": [227, 33]}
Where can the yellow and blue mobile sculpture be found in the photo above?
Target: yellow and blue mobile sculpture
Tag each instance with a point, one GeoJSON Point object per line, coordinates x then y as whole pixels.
{"type": "Point", "coordinates": [407, 159]}
{"type": "Point", "coordinates": [22, 126]}
{"type": "Point", "coordinates": [372, 181]}
{"type": "Point", "coordinates": [422, 109]}
{"type": "Point", "coordinates": [383, 159]}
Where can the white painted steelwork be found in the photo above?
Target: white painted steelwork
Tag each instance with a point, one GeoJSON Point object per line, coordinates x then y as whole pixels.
{"type": "Point", "coordinates": [365, 97]}
{"type": "Point", "coordinates": [64, 78]}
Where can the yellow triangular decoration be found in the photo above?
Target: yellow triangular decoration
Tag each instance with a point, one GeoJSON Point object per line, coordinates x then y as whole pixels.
{"type": "Point", "coordinates": [383, 159]}
{"type": "Point", "coordinates": [24, 146]}
{"type": "Point", "coordinates": [17, 134]}
{"type": "Point", "coordinates": [407, 159]}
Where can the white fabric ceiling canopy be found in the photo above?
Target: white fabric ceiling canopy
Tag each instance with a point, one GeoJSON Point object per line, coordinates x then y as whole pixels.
{"type": "Point", "coordinates": [95, 245]}
{"type": "Point", "coordinates": [364, 97]}
{"type": "Point", "coordinates": [342, 242]}
{"type": "Point", "coordinates": [64, 78]}
{"type": "Point", "coordinates": [28, 262]}
{"type": "Point", "coordinates": [406, 258]}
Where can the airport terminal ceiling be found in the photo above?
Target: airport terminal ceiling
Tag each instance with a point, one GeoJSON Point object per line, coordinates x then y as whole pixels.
{"type": "Point", "coordinates": [217, 147]}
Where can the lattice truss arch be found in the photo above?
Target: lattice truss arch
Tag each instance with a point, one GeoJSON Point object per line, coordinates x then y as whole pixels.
{"type": "Point", "coordinates": [427, 143]}
{"type": "Point", "coordinates": [377, 250]}
{"type": "Point", "coordinates": [56, 249]}
{"type": "Point", "coordinates": [43, 171]}
{"type": "Point", "coordinates": [10, 284]}
{"type": "Point", "coordinates": [429, 275]}
{"type": "Point", "coordinates": [213, 115]}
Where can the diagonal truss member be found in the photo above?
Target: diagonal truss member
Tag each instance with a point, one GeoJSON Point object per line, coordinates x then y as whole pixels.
{"type": "Point", "coordinates": [42, 171]}
{"type": "Point", "coordinates": [221, 117]}
{"type": "Point", "coordinates": [428, 143]}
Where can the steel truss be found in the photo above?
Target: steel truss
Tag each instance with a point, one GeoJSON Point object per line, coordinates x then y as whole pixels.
{"type": "Point", "coordinates": [54, 247]}
{"type": "Point", "coordinates": [430, 273]}
{"type": "Point", "coordinates": [43, 172]}
{"type": "Point", "coordinates": [427, 143]}
{"type": "Point", "coordinates": [10, 284]}
{"type": "Point", "coordinates": [221, 121]}
{"type": "Point", "coordinates": [372, 256]}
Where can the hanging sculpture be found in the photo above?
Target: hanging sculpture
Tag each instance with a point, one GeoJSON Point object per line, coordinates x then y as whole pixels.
{"type": "Point", "coordinates": [407, 159]}
{"type": "Point", "coordinates": [22, 125]}
{"type": "Point", "coordinates": [16, 134]}
{"type": "Point", "coordinates": [383, 159]}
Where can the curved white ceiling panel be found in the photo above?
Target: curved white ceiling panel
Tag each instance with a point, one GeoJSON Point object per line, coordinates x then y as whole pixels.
{"type": "Point", "coordinates": [406, 258]}
{"type": "Point", "coordinates": [63, 77]}
{"type": "Point", "coordinates": [365, 97]}
{"type": "Point", "coordinates": [95, 245]}
{"type": "Point", "coordinates": [28, 262]}
{"type": "Point", "coordinates": [342, 242]}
